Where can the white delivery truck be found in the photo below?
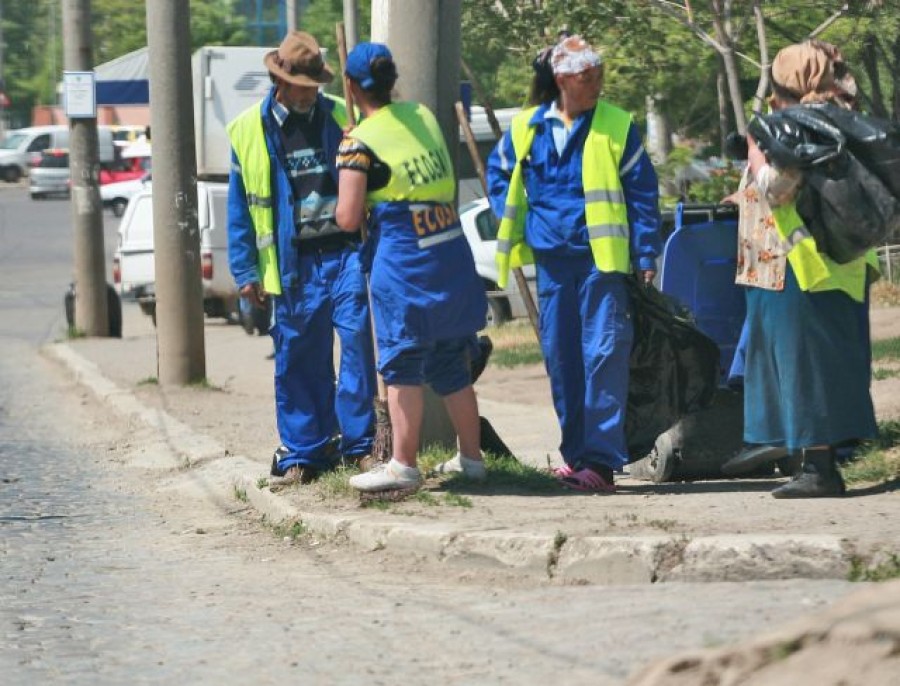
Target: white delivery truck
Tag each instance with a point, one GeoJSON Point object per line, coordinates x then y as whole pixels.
{"type": "Point", "coordinates": [227, 80]}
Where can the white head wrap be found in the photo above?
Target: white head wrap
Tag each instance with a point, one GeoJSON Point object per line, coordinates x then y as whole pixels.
{"type": "Point", "coordinates": [573, 55]}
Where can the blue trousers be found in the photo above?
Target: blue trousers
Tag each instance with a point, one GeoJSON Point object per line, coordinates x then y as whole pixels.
{"type": "Point", "coordinates": [310, 410]}
{"type": "Point", "coordinates": [586, 336]}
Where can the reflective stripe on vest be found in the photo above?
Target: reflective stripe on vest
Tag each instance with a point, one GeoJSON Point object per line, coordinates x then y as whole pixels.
{"type": "Point", "coordinates": [605, 211]}
{"type": "Point", "coordinates": [816, 271]}
{"type": "Point", "coordinates": [406, 137]}
{"type": "Point", "coordinates": [249, 142]}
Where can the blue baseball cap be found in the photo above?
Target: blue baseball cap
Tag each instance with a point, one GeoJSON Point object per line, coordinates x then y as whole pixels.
{"type": "Point", "coordinates": [360, 59]}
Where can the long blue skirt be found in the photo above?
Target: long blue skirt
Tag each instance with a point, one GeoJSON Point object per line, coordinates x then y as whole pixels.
{"type": "Point", "coordinates": [807, 369]}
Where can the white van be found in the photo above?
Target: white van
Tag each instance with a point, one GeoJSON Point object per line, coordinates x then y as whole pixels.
{"type": "Point", "coordinates": [134, 264]}
{"type": "Point", "coordinates": [19, 145]}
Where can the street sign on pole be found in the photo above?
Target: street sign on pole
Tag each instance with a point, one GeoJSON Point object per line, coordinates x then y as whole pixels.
{"type": "Point", "coordinates": [80, 94]}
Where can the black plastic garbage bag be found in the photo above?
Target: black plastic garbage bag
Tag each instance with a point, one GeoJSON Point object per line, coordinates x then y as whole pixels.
{"type": "Point", "coordinates": [674, 369]}
{"type": "Point", "coordinates": [797, 138]}
{"type": "Point", "coordinates": [875, 142]}
{"type": "Point", "coordinates": [851, 169]}
{"type": "Point", "coordinates": [847, 209]}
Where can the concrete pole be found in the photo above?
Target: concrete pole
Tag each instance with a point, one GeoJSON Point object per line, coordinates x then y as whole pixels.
{"type": "Point", "coordinates": [351, 23]}
{"type": "Point", "coordinates": [290, 11]}
{"type": "Point", "coordinates": [424, 37]}
{"type": "Point", "coordinates": [179, 289]}
{"type": "Point", "coordinates": [91, 313]}
{"type": "Point", "coordinates": [2, 109]}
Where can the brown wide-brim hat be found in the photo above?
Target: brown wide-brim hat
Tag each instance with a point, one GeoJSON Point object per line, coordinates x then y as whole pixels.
{"type": "Point", "coordinates": [299, 61]}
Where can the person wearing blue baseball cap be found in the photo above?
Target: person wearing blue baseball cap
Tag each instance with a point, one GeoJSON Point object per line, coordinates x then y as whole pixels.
{"type": "Point", "coordinates": [428, 302]}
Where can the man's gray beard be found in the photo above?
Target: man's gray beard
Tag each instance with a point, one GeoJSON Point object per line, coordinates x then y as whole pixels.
{"type": "Point", "coordinates": [307, 113]}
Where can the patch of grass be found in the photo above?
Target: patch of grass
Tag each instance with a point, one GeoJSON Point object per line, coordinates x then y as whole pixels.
{"type": "Point", "coordinates": [262, 482]}
{"type": "Point", "coordinates": [378, 504]}
{"type": "Point", "coordinates": [885, 571]}
{"type": "Point", "coordinates": [886, 349]}
{"type": "Point", "coordinates": [291, 530]}
{"type": "Point", "coordinates": [148, 381]}
{"type": "Point", "coordinates": [336, 483]}
{"type": "Point", "coordinates": [878, 460]}
{"type": "Point", "coordinates": [782, 651]}
{"type": "Point", "coordinates": [527, 353]}
{"type": "Point", "coordinates": [72, 333]}
{"type": "Point", "coordinates": [456, 500]}
{"type": "Point", "coordinates": [881, 373]}
{"type": "Point", "coordinates": [426, 498]}
{"type": "Point", "coordinates": [514, 344]}
{"type": "Point", "coordinates": [507, 475]}
{"type": "Point", "coordinates": [240, 494]}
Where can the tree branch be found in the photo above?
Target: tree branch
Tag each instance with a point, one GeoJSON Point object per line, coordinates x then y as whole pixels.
{"type": "Point", "coordinates": [828, 22]}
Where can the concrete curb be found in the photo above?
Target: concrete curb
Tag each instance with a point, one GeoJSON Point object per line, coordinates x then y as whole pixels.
{"type": "Point", "coordinates": [592, 559]}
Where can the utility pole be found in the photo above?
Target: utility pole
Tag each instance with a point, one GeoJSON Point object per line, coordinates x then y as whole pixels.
{"type": "Point", "coordinates": [290, 11]}
{"type": "Point", "coordinates": [2, 82]}
{"type": "Point", "coordinates": [425, 39]}
{"type": "Point", "coordinates": [176, 237]}
{"type": "Point", "coordinates": [91, 313]}
{"type": "Point", "coordinates": [351, 23]}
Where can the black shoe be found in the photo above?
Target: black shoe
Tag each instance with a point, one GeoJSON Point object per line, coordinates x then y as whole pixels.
{"type": "Point", "coordinates": [280, 453]}
{"type": "Point", "coordinates": [752, 458]}
{"type": "Point", "coordinates": [819, 478]}
{"type": "Point", "coordinates": [478, 364]}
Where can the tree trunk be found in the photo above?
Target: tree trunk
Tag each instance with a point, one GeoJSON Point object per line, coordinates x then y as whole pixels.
{"type": "Point", "coordinates": [721, 9]}
{"type": "Point", "coordinates": [763, 86]}
{"type": "Point", "coordinates": [722, 91]}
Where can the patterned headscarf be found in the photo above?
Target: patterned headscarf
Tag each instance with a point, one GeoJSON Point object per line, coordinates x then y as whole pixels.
{"type": "Point", "coordinates": [814, 71]}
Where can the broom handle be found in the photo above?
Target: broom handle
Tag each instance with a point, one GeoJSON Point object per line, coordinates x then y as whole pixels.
{"type": "Point", "coordinates": [521, 281]}
{"type": "Point", "coordinates": [351, 121]}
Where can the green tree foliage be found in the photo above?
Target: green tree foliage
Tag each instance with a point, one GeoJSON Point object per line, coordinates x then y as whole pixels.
{"type": "Point", "coordinates": [650, 52]}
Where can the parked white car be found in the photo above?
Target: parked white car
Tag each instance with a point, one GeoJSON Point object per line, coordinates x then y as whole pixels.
{"type": "Point", "coordinates": [480, 228]}
{"type": "Point", "coordinates": [134, 264]}
{"type": "Point", "coordinates": [116, 195]}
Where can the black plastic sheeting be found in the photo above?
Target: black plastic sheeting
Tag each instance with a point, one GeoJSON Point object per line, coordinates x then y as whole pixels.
{"type": "Point", "coordinates": [674, 368]}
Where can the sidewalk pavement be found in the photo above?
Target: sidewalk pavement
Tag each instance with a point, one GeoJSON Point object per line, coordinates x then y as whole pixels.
{"type": "Point", "coordinates": [221, 436]}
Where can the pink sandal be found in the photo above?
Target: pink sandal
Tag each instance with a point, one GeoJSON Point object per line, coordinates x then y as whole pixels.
{"type": "Point", "coordinates": [587, 480]}
{"type": "Point", "coordinates": [562, 472]}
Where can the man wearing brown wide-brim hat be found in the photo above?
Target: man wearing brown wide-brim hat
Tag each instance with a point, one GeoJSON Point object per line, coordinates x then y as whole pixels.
{"type": "Point", "coordinates": [285, 249]}
{"type": "Point", "coordinates": [298, 61]}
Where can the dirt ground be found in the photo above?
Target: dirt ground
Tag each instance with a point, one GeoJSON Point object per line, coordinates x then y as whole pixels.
{"type": "Point", "coordinates": [235, 410]}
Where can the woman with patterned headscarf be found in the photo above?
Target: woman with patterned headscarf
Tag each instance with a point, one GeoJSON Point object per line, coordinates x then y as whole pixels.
{"type": "Point", "coordinates": [807, 366]}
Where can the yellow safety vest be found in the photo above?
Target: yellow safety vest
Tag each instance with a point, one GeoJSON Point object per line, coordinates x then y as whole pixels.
{"type": "Point", "coordinates": [604, 198]}
{"type": "Point", "coordinates": [249, 142]}
{"type": "Point", "coordinates": [407, 138]}
{"type": "Point", "coordinates": [815, 271]}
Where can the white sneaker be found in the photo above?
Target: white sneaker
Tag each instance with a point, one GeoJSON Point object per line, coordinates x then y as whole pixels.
{"type": "Point", "coordinates": [392, 476]}
{"type": "Point", "coordinates": [460, 464]}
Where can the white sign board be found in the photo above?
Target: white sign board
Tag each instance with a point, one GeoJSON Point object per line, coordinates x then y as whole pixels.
{"type": "Point", "coordinates": [79, 94]}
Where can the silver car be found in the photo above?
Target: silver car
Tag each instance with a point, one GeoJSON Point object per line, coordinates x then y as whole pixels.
{"type": "Point", "coordinates": [49, 173]}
